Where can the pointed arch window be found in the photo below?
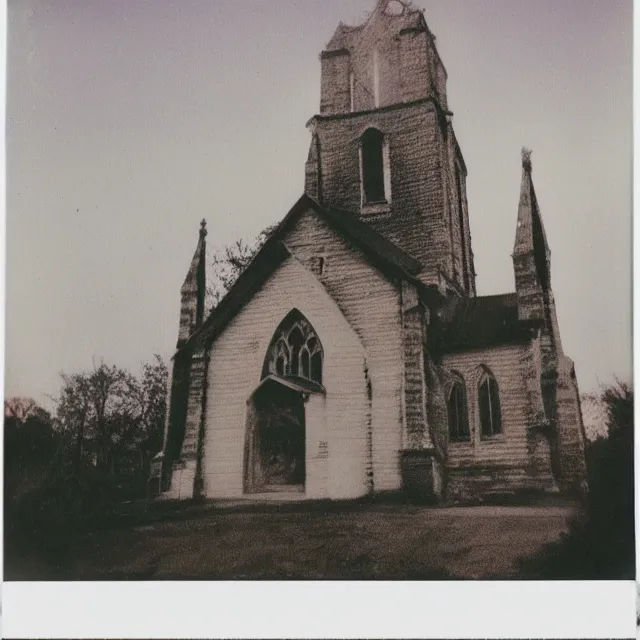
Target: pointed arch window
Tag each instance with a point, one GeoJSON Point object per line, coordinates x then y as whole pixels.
{"type": "Point", "coordinates": [457, 413]}
{"type": "Point", "coordinates": [374, 169]}
{"type": "Point", "coordinates": [489, 405]}
{"type": "Point", "coordinates": [295, 350]}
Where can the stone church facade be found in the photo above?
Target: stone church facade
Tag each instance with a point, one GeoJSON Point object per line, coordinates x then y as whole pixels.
{"type": "Point", "coordinates": [353, 355]}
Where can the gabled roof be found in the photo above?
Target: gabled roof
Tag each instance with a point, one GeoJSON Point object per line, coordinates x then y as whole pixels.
{"type": "Point", "coordinates": [485, 321]}
{"type": "Point", "coordinates": [272, 255]}
{"type": "Point", "coordinates": [382, 253]}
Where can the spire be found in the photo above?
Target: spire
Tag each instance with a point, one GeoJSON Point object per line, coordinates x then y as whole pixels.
{"type": "Point", "coordinates": [192, 291]}
{"type": "Point", "coordinates": [526, 159]}
{"type": "Point", "coordinates": [531, 256]}
{"type": "Point", "coordinates": [530, 235]}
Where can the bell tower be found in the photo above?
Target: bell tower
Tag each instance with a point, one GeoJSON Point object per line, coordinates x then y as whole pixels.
{"type": "Point", "coordinates": [383, 144]}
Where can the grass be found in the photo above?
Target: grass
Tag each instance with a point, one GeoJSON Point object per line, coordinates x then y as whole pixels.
{"type": "Point", "coordinates": [356, 541]}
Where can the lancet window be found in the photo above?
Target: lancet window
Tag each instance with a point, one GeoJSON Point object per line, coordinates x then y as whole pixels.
{"type": "Point", "coordinates": [374, 170]}
{"type": "Point", "coordinates": [295, 350]}
{"type": "Point", "coordinates": [489, 406]}
{"type": "Point", "coordinates": [457, 411]}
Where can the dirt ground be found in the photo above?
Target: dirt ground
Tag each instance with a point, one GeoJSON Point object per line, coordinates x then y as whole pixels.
{"type": "Point", "coordinates": [331, 541]}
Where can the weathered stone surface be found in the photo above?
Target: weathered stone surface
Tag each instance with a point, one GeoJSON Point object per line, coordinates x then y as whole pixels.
{"type": "Point", "coordinates": [422, 478]}
{"type": "Point", "coordinates": [380, 420]}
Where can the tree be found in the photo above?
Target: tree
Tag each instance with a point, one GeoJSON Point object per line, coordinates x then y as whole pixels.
{"type": "Point", "coordinates": [94, 408]}
{"type": "Point", "coordinates": [229, 263]}
{"type": "Point", "coordinates": [108, 414]}
{"type": "Point", "coordinates": [80, 467]}
{"type": "Point", "coordinates": [22, 409]}
{"type": "Point", "coordinates": [152, 399]}
{"type": "Point", "coordinates": [30, 443]}
{"type": "Point", "coordinates": [602, 545]}
{"type": "Point", "coordinates": [618, 401]}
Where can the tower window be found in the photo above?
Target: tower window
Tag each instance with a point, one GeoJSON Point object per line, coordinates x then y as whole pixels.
{"type": "Point", "coordinates": [489, 406]}
{"type": "Point", "coordinates": [374, 173]}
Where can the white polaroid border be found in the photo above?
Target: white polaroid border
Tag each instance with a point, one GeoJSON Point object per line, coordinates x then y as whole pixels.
{"type": "Point", "coordinates": [319, 609]}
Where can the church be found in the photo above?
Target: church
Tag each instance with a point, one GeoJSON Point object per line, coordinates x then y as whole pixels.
{"type": "Point", "coordinates": [353, 357]}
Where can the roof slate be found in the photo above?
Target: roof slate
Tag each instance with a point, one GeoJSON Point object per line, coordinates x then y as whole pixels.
{"type": "Point", "coordinates": [485, 321]}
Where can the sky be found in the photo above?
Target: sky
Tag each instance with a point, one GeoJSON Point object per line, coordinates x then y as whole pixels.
{"type": "Point", "coordinates": [129, 121]}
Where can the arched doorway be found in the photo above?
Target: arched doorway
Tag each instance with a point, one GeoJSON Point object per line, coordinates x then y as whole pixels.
{"type": "Point", "coordinates": [275, 444]}
{"type": "Point", "coordinates": [276, 455]}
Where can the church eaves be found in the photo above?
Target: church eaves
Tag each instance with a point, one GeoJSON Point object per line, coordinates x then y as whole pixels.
{"type": "Point", "coordinates": [381, 253]}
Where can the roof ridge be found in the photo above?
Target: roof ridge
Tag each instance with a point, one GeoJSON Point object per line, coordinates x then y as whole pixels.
{"type": "Point", "coordinates": [274, 251]}
{"type": "Point", "coordinates": [343, 217]}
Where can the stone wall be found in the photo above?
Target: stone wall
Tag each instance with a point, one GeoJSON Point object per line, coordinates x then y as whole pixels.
{"type": "Point", "coordinates": [570, 430]}
{"type": "Point", "coordinates": [235, 368]}
{"type": "Point", "coordinates": [388, 75]}
{"type": "Point", "coordinates": [371, 305]}
{"type": "Point", "coordinates": [416, 219]}
{"type": "Point", "coordinates": [356, 313]}
{"type": "Point", "coordinates": [397, 58]}
{"type": "Point", "coordinates": [519, 457]}
{"type": "Point", "coordinates": [185, 470]}
{"type": "Point", "coordinates": [335, 90]}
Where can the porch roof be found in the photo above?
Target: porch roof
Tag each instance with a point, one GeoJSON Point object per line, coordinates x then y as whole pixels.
{"type": "Point", "coordinates": [292, 382]}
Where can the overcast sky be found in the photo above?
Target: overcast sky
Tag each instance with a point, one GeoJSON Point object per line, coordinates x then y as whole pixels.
{"type": "Point", "coordinates": [130, 120]}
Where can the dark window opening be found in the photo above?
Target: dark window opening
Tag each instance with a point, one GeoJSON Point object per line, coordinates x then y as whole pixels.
{"type": "Point", "coordinates": [316, 367]}
{"type": "Point", "coordinates": [489, 405]}
{"type": "Point", "coordinates": [296, 340]}
{"type": "Point", "coordinates": [373, 167]}
{"type": "Point", "coordinates": [304, 363]}
{"type": "Point", "coordinates": [457, 413]}
{"type": "Point", "coordinates": [317, 265]}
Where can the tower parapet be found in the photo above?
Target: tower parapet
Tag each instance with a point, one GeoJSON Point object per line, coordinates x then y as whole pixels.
{"type": "Point", "coordinates": [383, 144]}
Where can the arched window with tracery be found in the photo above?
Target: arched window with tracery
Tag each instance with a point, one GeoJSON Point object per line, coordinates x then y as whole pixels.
{"type": "Point", "coordinates": [457, 413]}
{"type": "Point", "coordinates": [374, 167]}
{"type": "Point", "coordinates": [489, 405]}
{"type": "Point", "coordinates": [295, 350]}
